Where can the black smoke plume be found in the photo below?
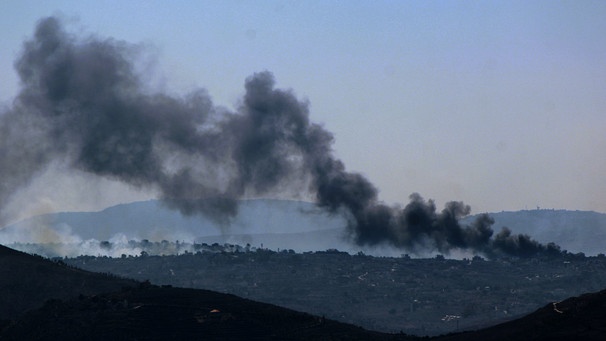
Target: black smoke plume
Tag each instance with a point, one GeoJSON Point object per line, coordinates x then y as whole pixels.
{"type": "Point", "coordinates": [82, 102]}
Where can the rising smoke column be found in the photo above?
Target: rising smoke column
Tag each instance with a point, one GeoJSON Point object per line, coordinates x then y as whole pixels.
{"type": "Point", "coordinates": [82, 103]}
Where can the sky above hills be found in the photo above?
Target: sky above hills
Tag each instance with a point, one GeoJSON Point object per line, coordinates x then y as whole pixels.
{"type": "Point", "coordinates": [498, 104]}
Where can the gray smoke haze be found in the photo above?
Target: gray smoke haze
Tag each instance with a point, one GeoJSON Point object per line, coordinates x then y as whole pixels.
{"type": "Point", "coordinates": [83, 102]}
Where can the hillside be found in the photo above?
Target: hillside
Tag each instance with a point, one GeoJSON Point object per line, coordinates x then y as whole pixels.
{"type": "Point", "coordinates": [27, 281]}
{"type": "Point", "coordinates": [163, 313]}
{"type": "Point", "coordinates": [576, 318]}
{"type": "Point", "coordinates": [377, 293]}
{"type": "Point", "coordinates": [147, 312]}
{"type": "Point", "coordinates": [50, 301]}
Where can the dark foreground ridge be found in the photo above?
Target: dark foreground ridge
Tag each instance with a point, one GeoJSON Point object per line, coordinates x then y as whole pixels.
{"type": "Point", "coordinates": [148, 312]}
{"type": "Point", "coordinates": [27, 281]}
{"type": "Point", "coordinates": [46, 300]}
{"type": "Point", "coordinates": [577, 318]}
{"type": "Point", "coordinates": [165, 313]}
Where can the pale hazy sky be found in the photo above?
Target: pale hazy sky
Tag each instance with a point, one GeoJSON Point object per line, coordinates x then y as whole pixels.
{"type": "Point", "coordinates": [500, 104]}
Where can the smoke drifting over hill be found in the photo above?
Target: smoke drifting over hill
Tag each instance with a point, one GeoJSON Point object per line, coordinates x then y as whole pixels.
{"type": "Point", "coordinates": [82, 102]}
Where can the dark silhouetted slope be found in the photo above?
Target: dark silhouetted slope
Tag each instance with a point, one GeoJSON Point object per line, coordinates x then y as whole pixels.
{"type": "Point", "coordinates": [27, 281]}
{"type": "Point", "coordinates": [164, 313]}
{"type": "Point", "coordinates": [577, 318]}
{"type": "Point", "coordinates": [75, 309]}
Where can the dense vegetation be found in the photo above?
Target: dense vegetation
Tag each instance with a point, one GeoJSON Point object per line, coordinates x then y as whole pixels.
{"type": "Point", "coordinates": [143, 311]}
{"type": "Point", "coordinates": [416, 296]}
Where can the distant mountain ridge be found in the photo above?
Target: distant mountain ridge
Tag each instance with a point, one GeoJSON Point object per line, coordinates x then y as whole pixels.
{"type": "Point", "coordinates": [150, 219]}
{"type": "Point", "coordinates": [272, 223]}
{"type": "Point", "coordinates": [575, 231]}
{"type": "Point", "coordinates": [284, 224]}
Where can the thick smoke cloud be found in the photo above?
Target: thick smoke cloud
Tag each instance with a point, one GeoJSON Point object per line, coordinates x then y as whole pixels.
{"type": "Point", "coordinates": [82, 102]}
